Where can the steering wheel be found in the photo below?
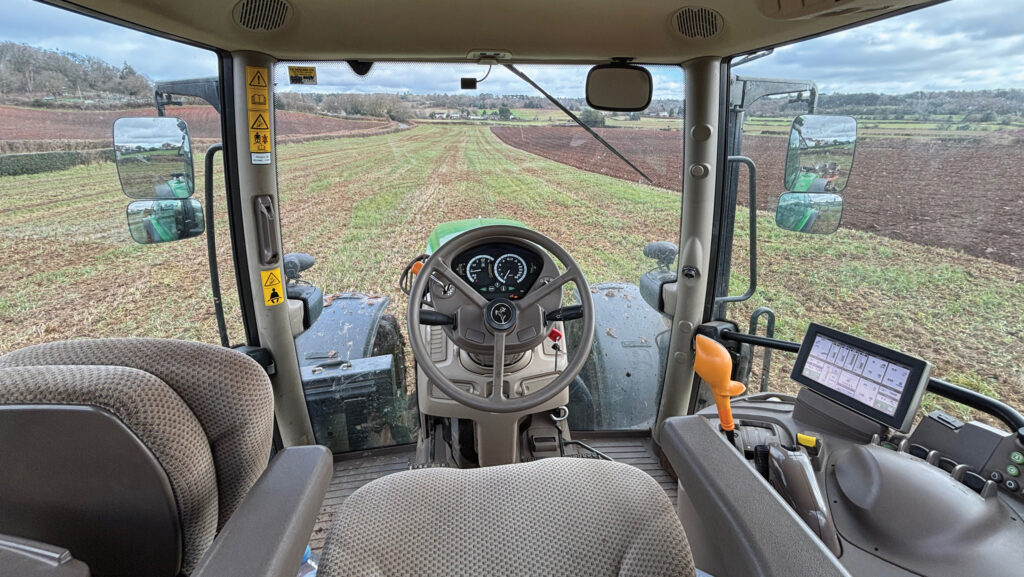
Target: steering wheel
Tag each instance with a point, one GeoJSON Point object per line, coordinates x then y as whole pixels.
{"type": "Point", "coordinates": [499, 325]}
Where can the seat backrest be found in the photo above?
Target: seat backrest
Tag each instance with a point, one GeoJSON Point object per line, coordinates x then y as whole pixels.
{"type": "Point", "coordinates": [132, 453]}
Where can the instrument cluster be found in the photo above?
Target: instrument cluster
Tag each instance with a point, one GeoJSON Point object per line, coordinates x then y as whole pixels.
{"type": "Point", "coordinates": [499, 269]}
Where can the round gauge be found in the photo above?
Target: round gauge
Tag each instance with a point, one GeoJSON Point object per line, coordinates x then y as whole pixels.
{"type": "Point", "coordinates": [479, 270]}
{"type": "Point", "coordinates": [510, 267]}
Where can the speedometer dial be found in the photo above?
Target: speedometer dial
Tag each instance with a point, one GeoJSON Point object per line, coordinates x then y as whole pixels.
{"type": "Point", "coordinates": [480, 270]}
{"type": "Point", "coordinates": [509, 268]}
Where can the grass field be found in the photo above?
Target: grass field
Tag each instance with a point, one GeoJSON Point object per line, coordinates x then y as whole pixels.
{"type": "Point", "coordinates": [364, 207]}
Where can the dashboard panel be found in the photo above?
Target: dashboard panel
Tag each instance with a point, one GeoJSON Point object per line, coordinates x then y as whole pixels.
{"type": "Point", "coordinates": [499, 269]}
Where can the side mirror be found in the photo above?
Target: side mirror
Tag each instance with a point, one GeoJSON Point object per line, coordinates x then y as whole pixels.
{"type": "Point", "coordinates": [154, 158]}
{"type": "Point", "coordinates": [812, 213]}
{"type": "Point", "coordinates": [619, 88]}
{"type": "Point", "coordinates": [820, 153]}
{"type": "Point", "coordinates": [156, 221]}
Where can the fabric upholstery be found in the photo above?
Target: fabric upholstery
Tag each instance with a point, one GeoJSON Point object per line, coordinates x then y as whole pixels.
{"type": "Point", "coordinates": [228, 392]}
{"type": "Point", "coordinates": [571, 517]}
{"type": "Point", "coordinates": [205, 412]}
{"type": "Point", "coordinates": [155, 414]}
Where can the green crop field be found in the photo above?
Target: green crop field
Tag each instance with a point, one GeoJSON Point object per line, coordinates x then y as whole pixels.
{"type": "Point", "coordinates": [364, 206]}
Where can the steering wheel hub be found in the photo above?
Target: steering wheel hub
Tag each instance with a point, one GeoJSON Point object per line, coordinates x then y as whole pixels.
{"type": "Point", "coordinates": [501, 314]}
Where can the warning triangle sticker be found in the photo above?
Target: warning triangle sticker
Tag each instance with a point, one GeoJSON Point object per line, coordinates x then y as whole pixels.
{"type": "Point", "coordinates": [272, 280]}
{"type": "Point", "coordinates": [258, 81]}
{"type": "Point", "coordinates": [260, 123]}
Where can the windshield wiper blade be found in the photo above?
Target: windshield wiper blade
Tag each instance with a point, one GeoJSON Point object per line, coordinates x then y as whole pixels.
{"type": "Point", "coordinates": [568, 112]}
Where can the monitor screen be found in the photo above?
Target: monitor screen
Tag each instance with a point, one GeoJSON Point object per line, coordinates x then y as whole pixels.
{"type": "Point", "coordinates": [879, 383]}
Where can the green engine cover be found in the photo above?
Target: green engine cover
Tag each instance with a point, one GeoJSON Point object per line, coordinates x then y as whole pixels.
{"type": "Point", "coordinates": [451, 229]}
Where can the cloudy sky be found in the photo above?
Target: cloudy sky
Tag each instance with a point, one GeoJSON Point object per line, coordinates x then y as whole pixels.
{"type": "Point", "coordinates": [961, 45]}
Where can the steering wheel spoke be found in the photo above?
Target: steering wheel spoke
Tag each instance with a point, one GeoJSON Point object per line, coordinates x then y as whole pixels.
{"type": "Point", "coordinates": [498, 374]}
{"type": "Point", "coordinates": [461, 286]}
{"type": "Point", "coordinates": [539, 293]}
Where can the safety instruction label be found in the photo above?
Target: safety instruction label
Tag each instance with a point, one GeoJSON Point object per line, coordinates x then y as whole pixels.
{"type": "Point", "coordinates": [302, 74]}
{"type": "Point", "coordinates": [273, 290]}
{"type": "Point", "coordinates": [257, 96]}
{"type": "Point", "coordinates": [259, 132]}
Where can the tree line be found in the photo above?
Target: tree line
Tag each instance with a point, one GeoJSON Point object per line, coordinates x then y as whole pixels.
{"type": "Point", "coordinates": [27, 72]}
{"type": "Point", "coordinates": [996, 105]}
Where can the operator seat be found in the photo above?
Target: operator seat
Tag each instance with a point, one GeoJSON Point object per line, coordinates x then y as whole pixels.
{"type": "Point", "coordinates": [130, 453]}
{"type": "Point", "coordinates": [557, 516]}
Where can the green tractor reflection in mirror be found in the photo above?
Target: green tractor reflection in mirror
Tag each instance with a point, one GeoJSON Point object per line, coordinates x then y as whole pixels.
{"type": "Point", "coordinates": [166, 220]}
{"type": "Point", "coordinates": [154, 158]}
{"type": "Point", "coordinates": [809, 212]}
{"type": "Point", "coordinates": [820, 153]}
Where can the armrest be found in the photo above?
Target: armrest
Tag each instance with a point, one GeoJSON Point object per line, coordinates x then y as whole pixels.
{"type": "Point", "coordinates": [268, 534]}
{"type": "Point", "coordinates": [750, 529]}
{"type": "Point", "coordinates": [26, 558]}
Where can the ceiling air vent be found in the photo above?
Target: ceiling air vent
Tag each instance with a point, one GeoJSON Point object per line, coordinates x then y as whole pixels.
{"type": "Point", "coordinates": [697, 23]}
{"type": "Point", "coordinates": [261, 15]}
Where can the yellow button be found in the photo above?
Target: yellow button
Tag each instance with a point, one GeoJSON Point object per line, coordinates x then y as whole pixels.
{"type": "Point", "coordinates": [808, 441]}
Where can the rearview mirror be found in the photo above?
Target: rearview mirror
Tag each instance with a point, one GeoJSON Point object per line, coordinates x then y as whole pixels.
{"type": "Point", "coordinates": [156, 221]}
{"type": "Point", "coordinates": [618, 88]}
{"type": "Point", "coordinates": [820, 153]}
{"type": "Point", "coordinates": [154, 157]}
{"type": "Point", "coordinates": [812, 213]}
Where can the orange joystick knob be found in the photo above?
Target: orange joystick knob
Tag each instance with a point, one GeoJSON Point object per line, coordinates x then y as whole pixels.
{"type": "Point", "coordinates": [714, 365]}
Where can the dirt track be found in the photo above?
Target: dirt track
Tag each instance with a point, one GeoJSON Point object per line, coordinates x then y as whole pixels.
{"type": "Point", "coordinates": [961, 195]}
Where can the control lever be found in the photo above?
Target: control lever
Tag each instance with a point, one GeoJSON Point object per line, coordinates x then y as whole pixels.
{"type": "Point", "coordinates": [434, 318]}
{"type": "Point", "coordinates": [569, 313]}
{"type": "Point", "coordinates": [713, 363]}
{"type": "Point", "coordinates": [790, 473]}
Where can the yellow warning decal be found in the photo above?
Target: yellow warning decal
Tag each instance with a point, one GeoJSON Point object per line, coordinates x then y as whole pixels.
{"type": "Point", "coordinates": [257, 97]}
{"type": "Point", "coordinates": [273, 290]}
{"type": "Point", "coordinates": [259, 132]}
{"type": "Point", "coordinates": [302, 74]}
{"type": "Point", "coordinates": [257, 89]}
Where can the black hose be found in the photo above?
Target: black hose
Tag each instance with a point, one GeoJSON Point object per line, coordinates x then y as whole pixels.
{"type": "Point", "coordinates": [211, 247]}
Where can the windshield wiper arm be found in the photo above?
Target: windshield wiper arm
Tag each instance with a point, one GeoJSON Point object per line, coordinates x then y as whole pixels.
{"type": "Point", "coordinates": [597, 136]}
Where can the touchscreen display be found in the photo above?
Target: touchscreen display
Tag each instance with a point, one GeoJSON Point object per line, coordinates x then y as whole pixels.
{"type": "Point", "coordinates": [875, 381]}
{"type": "Point", "coordinates": [872, 380]}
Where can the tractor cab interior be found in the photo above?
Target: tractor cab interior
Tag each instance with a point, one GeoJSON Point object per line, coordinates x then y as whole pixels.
{"type": "Point", "coordinates": [482, 321]}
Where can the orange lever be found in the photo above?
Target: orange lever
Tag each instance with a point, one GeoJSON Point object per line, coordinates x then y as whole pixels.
{"type": "Point", "coordinates": [714, 365]}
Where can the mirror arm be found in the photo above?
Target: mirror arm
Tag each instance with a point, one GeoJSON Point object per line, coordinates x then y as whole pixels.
{"type": "Point", "coordinates": [211, 246]}
{"type": "Point", "coordinates": [752, 175]}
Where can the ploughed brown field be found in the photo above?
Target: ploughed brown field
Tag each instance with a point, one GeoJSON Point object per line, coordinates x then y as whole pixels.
{"type": "Point", "coordinates": [927, 179]}
{"type": "Point", "coordinates": [32, 124]}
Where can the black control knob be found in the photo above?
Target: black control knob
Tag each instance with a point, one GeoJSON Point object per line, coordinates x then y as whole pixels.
{"type": "Point", "coordinates": [996, 476]}
{"type": "Point", "coordinates": [1011, 485]}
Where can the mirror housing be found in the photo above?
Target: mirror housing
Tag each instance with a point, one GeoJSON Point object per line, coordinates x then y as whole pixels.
{"type": "Point", "coordinates": [165, 220]}
{"type": "Point", "coordinates": [154, 158]}
{"type": "Point", "coordinates": [809, 212]}
{"type": "Point", "coordinates": [619, 87]}
{"type": "Point", "coordinates": [820, 153]}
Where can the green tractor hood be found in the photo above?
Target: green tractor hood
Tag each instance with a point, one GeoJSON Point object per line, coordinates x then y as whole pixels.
{"type": "Point", "coordinates": [448, 230]}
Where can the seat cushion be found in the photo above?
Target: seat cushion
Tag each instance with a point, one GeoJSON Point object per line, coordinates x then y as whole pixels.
{"type": "Point", "coordinates": [572, 517]}
{"type": "Point", "coordinates": [229, 394]}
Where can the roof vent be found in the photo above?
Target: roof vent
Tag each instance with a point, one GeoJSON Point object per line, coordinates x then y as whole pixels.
{"type": "Point", "coordinates": [261, 15]}
{"type": "Point", "coordinates": [697, 23]}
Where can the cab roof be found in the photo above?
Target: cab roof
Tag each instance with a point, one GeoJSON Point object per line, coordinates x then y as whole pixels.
{"type": "Point", "coordinates": [585, 31]}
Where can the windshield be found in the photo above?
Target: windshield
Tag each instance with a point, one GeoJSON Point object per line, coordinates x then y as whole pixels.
{"type": "Point", "coordinates": [928, 258]}
{"type": "Point", "coordinates": [370, 166]}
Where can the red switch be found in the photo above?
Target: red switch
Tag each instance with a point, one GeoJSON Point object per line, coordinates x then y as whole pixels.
{"type": "Point", "coordinates": [555, 335]}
